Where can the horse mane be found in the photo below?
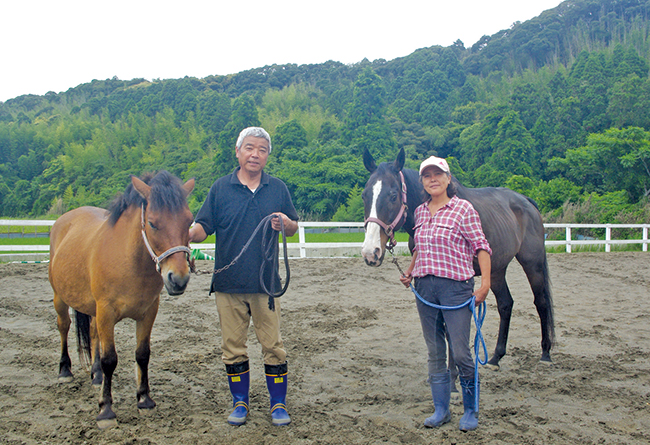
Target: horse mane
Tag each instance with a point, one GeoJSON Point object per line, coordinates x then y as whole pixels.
{"type": "Point", "coordinates": [166, 193]}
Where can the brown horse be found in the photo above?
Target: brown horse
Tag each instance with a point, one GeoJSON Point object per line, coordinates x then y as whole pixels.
{"type": "Point", "coordinates": [104, 265]}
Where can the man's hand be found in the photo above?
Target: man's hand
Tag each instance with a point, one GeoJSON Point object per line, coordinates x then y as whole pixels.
{"type": "Point", "coordinates": [290, 226]}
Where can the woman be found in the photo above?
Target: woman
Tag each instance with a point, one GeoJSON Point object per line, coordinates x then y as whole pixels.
{"type": "Point", "coordinates": [448, 236]}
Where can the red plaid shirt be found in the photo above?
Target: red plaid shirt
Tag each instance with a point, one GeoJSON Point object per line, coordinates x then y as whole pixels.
{"type": "Point", "coordinates": [447, 242]}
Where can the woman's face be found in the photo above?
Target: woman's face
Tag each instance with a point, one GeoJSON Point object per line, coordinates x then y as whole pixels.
{"type": "Point", "coordinates": [435, 181]}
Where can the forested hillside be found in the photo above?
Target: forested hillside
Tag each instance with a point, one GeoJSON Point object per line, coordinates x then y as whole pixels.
{"type": "Point", "coordinates": [557, 107]}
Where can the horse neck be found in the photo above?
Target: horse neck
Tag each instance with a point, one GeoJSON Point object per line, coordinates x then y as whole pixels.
{"type": "Point", "coordinates": [127, 234]}
{"type": "Point", "coordinates": [461, 190]}
{"type": "Point", "coordinates": [413, 197]}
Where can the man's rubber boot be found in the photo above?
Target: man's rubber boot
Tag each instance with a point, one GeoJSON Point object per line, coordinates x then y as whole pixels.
{"type": "Point", "coordinates": [239, 379]}
{"type": "Point", "coordinates": [276, 381]}
{"type": "Point", "coordinates": [441, 393]}
{"type": "Point", "coordinates": [469, 421]}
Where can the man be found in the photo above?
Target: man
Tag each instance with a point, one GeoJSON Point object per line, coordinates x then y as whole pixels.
{"type": "Point", "coordinates": [232, 210]}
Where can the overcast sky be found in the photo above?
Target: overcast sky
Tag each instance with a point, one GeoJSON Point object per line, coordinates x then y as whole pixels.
{"type": "Point", "coordinates": [53, 45]}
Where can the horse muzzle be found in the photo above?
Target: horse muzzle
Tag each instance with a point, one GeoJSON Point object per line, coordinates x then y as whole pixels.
{"type": "Point", "coordinates": [375, 258]}
{"type": "Point", "coordinates": [175, 283]}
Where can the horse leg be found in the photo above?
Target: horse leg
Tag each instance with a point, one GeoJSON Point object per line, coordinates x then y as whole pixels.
{"type": "Point", "coordinates": [538, 277]}
{"type": "Point", "coordinates": [63, 323]}
{"type": "Point", "coordinates": [108, 360]}
{"type": "Point", "coordinates": [96, 373]}
{"type": "Point", "coordinates": [504, 304]}
{"type": "Point", "coordinates": [142, 353]}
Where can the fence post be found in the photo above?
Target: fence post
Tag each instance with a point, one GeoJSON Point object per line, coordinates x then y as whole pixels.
{"type": "Point", "coordinates": [645, 239]}
{"type": "Point", "coordinates": [301, 240]}
{"type": "Point", "coordinates": [568, 239]}
{"type": "Point", "coordinates": [608, 238]}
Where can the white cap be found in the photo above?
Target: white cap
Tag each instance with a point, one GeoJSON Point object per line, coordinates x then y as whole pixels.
{"type": "Point", "coordinates": [435, 162]}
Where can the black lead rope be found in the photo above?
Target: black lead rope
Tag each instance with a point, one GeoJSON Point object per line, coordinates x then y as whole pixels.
{"type": "Point", "coordinates": [270, 252]}
{"type": "Point", "coordinates": [270, 256]}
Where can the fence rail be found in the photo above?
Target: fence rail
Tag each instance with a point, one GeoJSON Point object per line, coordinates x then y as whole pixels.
{"type": "Point", "coordinates": [302, 248]}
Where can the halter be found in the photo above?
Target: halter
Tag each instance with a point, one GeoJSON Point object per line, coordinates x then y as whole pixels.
{"type": "Point", "coordinates": [398, 222]}
{"type": "Point", "coordinates": [167, 253]}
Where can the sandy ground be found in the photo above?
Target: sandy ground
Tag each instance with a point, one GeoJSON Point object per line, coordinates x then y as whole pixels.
{"type": "Point", "coordinates": [357, 364]}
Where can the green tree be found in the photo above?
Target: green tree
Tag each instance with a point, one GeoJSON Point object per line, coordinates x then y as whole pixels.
{"type": "Point", "coordinates": [611, 161]}
{"type": "Point", "coordinates": [365, 125]}
{"type": "Point", "coordinates": [244, 115]}
{"type": "Point", "coordinates": [513, 146]}
{"type": "Point", "coordinates": [551, 195]}
{"type": "Point", "coordinates": [353, 209]}
{"type": "Point", "coordinates": [290, 135]}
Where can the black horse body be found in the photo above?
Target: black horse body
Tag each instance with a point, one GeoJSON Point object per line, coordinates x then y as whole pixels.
{"type": "Point", "coordinates": [512, 225]}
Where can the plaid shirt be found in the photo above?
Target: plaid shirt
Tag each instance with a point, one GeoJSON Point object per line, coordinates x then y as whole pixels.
{"type": "Point", "coordinates": [447, 242]}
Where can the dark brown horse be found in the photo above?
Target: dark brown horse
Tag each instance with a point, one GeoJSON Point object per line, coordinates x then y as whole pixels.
{"type": "Point", "coordinates": [511, 222]}
{"type": "Point", "coordinates": [111, 265]}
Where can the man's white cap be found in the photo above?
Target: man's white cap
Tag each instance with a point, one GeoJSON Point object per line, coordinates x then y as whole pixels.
{"type": "Point", "coordinates": [436, 162]}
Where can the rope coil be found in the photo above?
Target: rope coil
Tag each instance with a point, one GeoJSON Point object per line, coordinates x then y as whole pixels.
{"type": "Point", "coordinates": [270, 256]}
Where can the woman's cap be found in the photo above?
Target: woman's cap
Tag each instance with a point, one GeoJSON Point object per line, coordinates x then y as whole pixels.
{"type": "Point", "coordinates": [435, 162]}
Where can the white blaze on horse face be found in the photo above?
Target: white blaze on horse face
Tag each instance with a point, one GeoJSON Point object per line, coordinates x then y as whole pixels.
{"type": "Point", "coordinates": [372, 240]}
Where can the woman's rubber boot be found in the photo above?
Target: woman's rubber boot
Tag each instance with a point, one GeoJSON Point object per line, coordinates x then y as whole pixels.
{"type": "Point", "coordinates": [276, 381]}
{"type": "Point", "coordinates": [469, 421]}
{"type": "Point", "coordinates": [239, 379]}
{"type": "Point", "coordinates": [440, 392]}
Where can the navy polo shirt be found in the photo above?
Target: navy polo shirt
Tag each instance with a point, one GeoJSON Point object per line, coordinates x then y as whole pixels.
{"type": "Point", "coordinates": [232, 211]}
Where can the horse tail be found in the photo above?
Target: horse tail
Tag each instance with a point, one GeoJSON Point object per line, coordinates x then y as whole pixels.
{"type": "Point", "coordinates": [82, 323]}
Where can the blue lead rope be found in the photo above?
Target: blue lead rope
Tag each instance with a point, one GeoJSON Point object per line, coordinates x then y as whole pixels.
{"type": "Point", "coordinates": [479, 342]}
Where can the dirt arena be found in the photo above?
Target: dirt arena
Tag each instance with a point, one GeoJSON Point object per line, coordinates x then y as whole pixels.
{"type": "Point", "coordinates": [357, 364]}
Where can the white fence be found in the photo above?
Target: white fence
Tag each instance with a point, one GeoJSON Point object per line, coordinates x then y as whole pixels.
{"type": "Point", "coordinates": [303, 249]}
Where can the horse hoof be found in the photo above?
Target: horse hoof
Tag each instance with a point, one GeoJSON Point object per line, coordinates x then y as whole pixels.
{"type": "Point", "coordinates": [546, 362]}
{"type": "Point", "coordinates": [546, 358]}
{"type": "Point", "coordinates": [106, 423]}
{"type": "Point", "coordinates": [65, 376]}
{"type": "Point", "coordinates": [146, 403]}
{"type": "Point", "coordinates": [492, 367]}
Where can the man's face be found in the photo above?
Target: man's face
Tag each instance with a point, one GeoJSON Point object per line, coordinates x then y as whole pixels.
{"type": "Point", "coordinates": [253, 154]}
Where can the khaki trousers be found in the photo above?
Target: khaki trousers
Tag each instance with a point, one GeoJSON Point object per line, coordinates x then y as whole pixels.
{"type": "Point", "coordinates": [235, 312]}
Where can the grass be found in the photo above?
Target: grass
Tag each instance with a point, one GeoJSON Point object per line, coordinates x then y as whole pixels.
{"type": "Point", "coordinates": [596, 248]}
{"type": "Point", "coordinates": [355, 237]}
{"type": "Point", "coordinates": [209, 241]}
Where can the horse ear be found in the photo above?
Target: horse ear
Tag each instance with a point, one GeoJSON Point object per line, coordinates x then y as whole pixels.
{"type": "Point", "coordinates": [188, 187]}
{"type": "Point", "coordinates": [140, 186]}
{"type": "Point", "coordinates": [369, 161]}
{"type": "Point", "coordinates": [399, 161]}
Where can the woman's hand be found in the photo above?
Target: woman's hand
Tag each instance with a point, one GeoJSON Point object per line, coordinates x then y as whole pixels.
{"type": "Point", "coordinates": [485, 264]}
{"type": "Point", "coordinates": [406, 279]}
{"type": "Point", "coordinates": [481, 294]}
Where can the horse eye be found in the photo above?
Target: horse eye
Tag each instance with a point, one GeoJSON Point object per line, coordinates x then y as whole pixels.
{"type": "Point", "coordinates": [152, 225]}
{"type": "Point", "coordinates": [393, 197]}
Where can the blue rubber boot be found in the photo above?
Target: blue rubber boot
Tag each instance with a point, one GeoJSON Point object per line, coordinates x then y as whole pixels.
{"type": "Point", "coordinates": [276, 381]}
{"type": "Point", "coordinates": [469, 421]}
{"type": "Point", "coordinates": [239, 378]}
{"type": "Point", "coordinates": [440, 392]}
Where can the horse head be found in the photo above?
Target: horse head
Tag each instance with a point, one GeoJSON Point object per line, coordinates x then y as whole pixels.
{"type": "Point", "coordinates": [166, 219]}
{"type": "Point", "coordinates": [384, 201]}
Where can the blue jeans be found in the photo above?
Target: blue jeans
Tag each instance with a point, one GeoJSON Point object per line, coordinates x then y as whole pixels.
{"type": "Point", "coordinates": [437, 323]}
